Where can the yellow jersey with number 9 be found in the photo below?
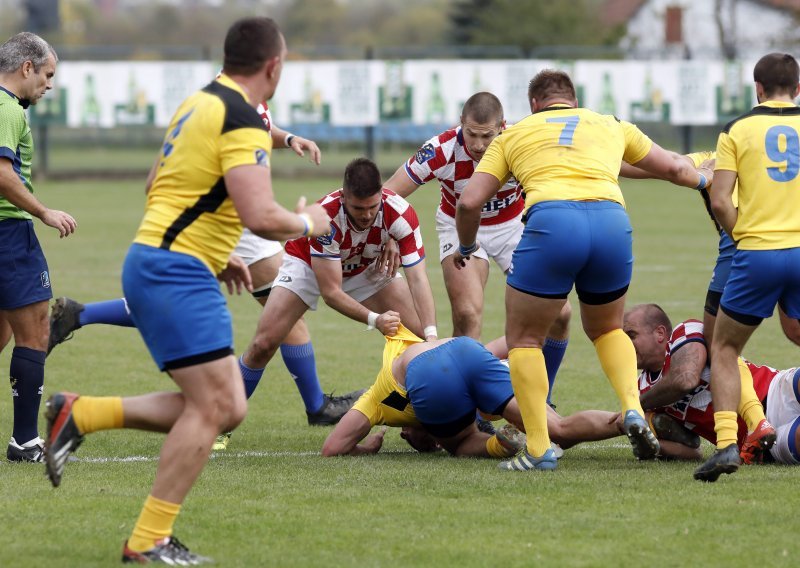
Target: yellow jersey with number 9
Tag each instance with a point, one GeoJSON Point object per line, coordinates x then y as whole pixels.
{"type": "Point", "coordinates": [566, 154]}
{"type": "Point", "coordinates": [763, 148]}
{"type": "Point", "coordinates": [188, 209]}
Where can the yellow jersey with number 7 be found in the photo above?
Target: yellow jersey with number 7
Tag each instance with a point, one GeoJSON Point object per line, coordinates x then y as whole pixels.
{"type": "Point", "coordinates": [566, 154]}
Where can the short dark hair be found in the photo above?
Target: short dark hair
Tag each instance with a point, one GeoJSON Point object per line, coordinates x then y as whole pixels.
{"type": "Point", "coordinates": [654, 316]}
{"type": "Point", "coordinates": [362, 178]}
{"type": "Point", "coordinates": [483, 108]}
{"type": "Point", "coordinates": [550, 82]}
{"type": "Point", "coordinates": [249, 43]}
{"type": "Point", "coordinates": [778, 73]}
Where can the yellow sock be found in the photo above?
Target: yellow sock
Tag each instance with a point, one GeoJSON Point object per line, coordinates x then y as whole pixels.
{"type": "Point", "coordinates": [726, 427]}
{"type": "Point", "coordinates": [618, 359]}
{"type": "Point", "coordinates": [496, 449]}
{"type": "Point", "coordinates": [93, 413]}
{"type": "Point", "coordinates": [750, 408]}
{"type": "Point", "coordinates": [529, 379]}
{"type": "Point", "coordinates": [155, 522]}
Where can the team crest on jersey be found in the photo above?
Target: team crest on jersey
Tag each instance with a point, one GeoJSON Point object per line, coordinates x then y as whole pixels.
{"type": "Point", "coordinates": [45, 279]}
{"type": "Point", "coordinates": [326, 240]}
{"type": "Point", "coordinates": [425, 153]}
{"type": "Point", "coordinates": [262, 158]}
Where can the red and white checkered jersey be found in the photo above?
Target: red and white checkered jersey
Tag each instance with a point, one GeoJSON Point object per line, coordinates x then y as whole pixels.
{"type": "Point", "coordinates": [695, 410]}
{"type": "Point", "coordinates": [446, 158]}
{"type": "Point", "coordinates": [266, 116]}
{"type": "Point", "coordinates": [357, 249]}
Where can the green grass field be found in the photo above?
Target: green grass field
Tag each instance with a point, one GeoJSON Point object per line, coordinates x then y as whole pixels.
{"type": "Point", "coordinates": [270, 500]}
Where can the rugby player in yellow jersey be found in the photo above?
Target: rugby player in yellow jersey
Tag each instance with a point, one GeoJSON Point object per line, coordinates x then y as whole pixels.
{"type": "Point", "coordinates": [576, 233]}
{"type": "Point", "coordinates": [761, 434]}
{"type": "Point", "coordinates": [432, 390]}
{"type": "Point", "coordinates": [211, 178]}
{"type": "Point", "coordinates": [760, 150]}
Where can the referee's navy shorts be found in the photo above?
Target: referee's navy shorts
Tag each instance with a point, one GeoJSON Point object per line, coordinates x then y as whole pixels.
{"type": "Point", "coordinates": [24, 278]}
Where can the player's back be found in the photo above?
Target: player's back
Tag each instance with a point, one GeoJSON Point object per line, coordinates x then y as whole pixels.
{"type": "Point", "coordinates": [565, 153]}
{"type": "Point", "coordinates": [763, 147]}
{"type": "Point", "coordinates": [188, 209]}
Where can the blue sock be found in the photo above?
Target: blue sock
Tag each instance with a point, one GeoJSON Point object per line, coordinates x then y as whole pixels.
{"type": "Point", "coordinates": [27, 382]}
{"type": "Point", "coordinates": [251, 377]}
{"type": "Point", "coordinates": [553, 352]}
{"type": "Point", "coordinates": [302, 365]}
{"type": "Point", "coordinates": [113, 312]}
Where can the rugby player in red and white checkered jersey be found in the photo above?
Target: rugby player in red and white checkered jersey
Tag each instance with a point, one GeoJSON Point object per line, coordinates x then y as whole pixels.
{"type": "Point", "coordinates": [451, 158]}
{"type": "Point", "coordinates": [341, 268]}
{"type": "Point", "coordinates": [675, 381]}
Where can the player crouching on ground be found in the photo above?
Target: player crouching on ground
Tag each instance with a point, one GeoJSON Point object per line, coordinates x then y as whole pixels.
{"type": "Point", "coordinates": [438, 386]}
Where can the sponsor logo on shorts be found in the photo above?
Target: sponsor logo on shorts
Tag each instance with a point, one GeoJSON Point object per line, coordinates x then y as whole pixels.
{"type": "Point", "coordinates": [285, 278]}
{"type": "Point", "coordinates": [511, 268]}
{"type": "Point", "coordinates": [425, 153]}
{"type": "Point", "coordinates": [262, 158]}
{"type": "Point", "coordinates": [45, 279]}
{"type": "Point", "coordinates": [447, 247]}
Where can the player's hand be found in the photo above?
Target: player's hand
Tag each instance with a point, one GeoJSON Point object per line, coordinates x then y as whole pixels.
{"type": "Point", "coordinates": [64, 222]}
{"type": "Point", "coordinates": [707, 169]}
{"type": "Point", "coordinates": [373, 443]}
{"type": "Point", "coordinates": [461, 261]}
{"type": "Point", "coordinates": [236, 276]}
{"type": "Point", "coordinates": [388, 323]}
{"type": "Point", "coordinates": [319, 217]}
{"type": "Point", "coordinates": [302, 145]}
{"type": "Point", "coordinates": [389, 260]}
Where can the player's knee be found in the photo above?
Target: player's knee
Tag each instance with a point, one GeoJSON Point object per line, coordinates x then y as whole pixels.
{"type": "Point", "coordinates": [560, 327]}
{"type": "Point", "coordinates": [467, 321]}
{"type": "Point", "coordinates": [791, 329]}
{"type": "Point", "coordinates": [263, 346]}
{"type": "Point", "coordinates": [232, 410]}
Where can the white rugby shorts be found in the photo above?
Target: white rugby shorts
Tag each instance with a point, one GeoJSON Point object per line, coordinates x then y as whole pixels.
{"type": "Point", "coordinates": [297, 276]}
{"type": "Point", "coordinates": [497, 241]}
{"type": "Point", "coordinates": [783, 411]}
{"type": "Point", "coordinates": [253, 248]}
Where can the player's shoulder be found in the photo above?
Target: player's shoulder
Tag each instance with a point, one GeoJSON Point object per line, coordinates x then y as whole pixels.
{"type": "Point", "coordinates": [238, 113]}
{"type": "Point", "coordinates": [393, 203]}
{"type": "Point", "coordinates": [761, 111]}
{"type": "Point", "coordinates": [689, 330]}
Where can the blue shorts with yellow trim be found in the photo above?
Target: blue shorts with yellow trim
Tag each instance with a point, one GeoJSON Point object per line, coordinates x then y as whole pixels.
{"type": "Point", "coordinates": [722, 268]}
{"type": "Point", "coordinates": [24, 278]}
{"type": "Point", "coordinates": [759, 280]}
{"type": "Point", "coordinates": [446, 384]}
{"type": "Point", "coordinates": [585, 243]}
{"type": "Point", "coordinates": [177, 306]}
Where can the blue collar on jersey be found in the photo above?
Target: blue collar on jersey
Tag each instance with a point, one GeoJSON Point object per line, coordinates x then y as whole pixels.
{"type": "Point", "coordinates": [24, 103]}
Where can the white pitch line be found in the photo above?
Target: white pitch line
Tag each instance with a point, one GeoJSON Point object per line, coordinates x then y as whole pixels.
{"type": "Point", "coordinates": [255, 454]}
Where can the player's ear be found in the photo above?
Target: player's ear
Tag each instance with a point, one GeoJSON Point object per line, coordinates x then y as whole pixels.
{"type": "Point", "coordinates": [273, 66]}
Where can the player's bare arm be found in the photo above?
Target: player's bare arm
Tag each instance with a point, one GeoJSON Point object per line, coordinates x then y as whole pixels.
{"type": "Point", "coordinates": [345, 437]}
{"type": "Point", "coordinates": [251, 192]}
{"type": "Point", "coordinates": [422, 295]}
{"type": "Point", "coordinates": [400, 183]}
{"type": "Point", "coordinates": [329, 279]}
{"type": "Point", "coordinates": [722, 199]}
{"type": "Point", "coordinates": [479, 190]}
{"type": "Point", "coordinates": [673, 167]}
{"type": "Point", "coordinates": [299, 145]}
{"type": "Point", "coordinates": [685, 369]}
{"type": "Point", "coordinates": [18, 195]}
{"type": "Point", "coordinates": [632, 172]}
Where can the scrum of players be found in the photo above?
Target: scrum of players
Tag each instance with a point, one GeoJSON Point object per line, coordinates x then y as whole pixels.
{"type": "Point", "coordinates": [375, 231]}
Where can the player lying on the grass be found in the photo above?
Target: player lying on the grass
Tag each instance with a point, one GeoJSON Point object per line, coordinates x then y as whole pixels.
{"type": "Point", "coordinates": [263, 258]}
{"type": "Point", "coordinates": [705, 162]}
{"type": "Point", "coordinates": [436, 387]}
{"type": "Point", "coordinates": [450, 158]}
{"type": "Point", "coordinates": [675, 381]}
